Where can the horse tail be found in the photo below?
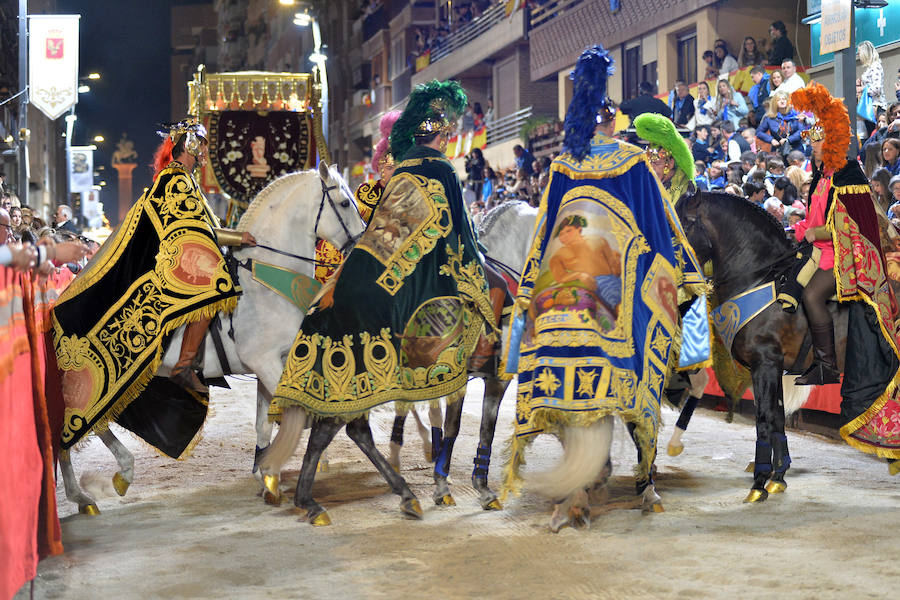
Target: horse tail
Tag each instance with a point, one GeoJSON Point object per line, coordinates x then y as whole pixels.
{"type": "Point", "coordinates": [276, 454]}
{"type": "Point", "coordinates": [795, 396]}
{"type": "Point", "coordinates": [586, 453]}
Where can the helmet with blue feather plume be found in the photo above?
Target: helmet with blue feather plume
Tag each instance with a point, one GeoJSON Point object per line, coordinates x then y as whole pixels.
{"type": "Point", "coordinates": [590, 105]}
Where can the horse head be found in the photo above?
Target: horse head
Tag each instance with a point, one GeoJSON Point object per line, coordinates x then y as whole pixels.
{"type": "Point", "coordinates": [740, 239]}
{"type": "Point", "coordinates": [691, 214]}
{"type": "Point", "coordinates": [293, 211]}
{"type": "Point", "coordinates": [338, 219]}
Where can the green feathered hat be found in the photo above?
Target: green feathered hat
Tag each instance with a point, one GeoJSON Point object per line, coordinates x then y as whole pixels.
{"type": "Point", "coordinates": [433, 107]}
{"type": "Point", "coordinates": [660, 131]}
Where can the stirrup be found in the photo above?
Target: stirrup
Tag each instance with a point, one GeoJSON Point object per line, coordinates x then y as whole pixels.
{"type": "Point", "coordinates": [819, 373]}
{"type": "Point", "coordinates": [186, 378]}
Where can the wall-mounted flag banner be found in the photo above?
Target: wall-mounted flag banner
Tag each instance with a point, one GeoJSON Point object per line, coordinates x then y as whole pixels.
{"type": "Point", "coordinates": [81, 168]}
{"type": "Point", "coordinates": [53, 63]}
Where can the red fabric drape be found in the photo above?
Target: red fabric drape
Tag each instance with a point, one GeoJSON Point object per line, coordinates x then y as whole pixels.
{"type": "Point", "coordinates": [29, 526]}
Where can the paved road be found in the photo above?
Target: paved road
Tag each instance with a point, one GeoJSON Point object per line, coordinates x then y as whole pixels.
{"type": "Point", "coordinates": [197, 529]}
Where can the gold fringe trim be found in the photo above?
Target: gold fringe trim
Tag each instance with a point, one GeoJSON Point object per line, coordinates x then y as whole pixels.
{"type": "Point", "coordinates": [226, 306]}
{"type": "Point", "coordinates": [851, 189]}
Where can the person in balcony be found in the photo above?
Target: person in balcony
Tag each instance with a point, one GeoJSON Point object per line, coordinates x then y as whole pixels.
{"type": "Point", "coordinates": [782, 48]}
{"type": "Point", "coordinates": [727, 63]}
{"type": "Point", "coordinates": [750, 56]}
{"type": "Point", "coordinates": [712, 68]}
{"type": "Point", "coordinates": [645, 103]}
{"type": "Point", "coordinates": [479, 115]}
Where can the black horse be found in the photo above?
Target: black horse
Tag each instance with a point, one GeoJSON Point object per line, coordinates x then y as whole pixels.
{"type": "Point", "coordinates": [745, 245]}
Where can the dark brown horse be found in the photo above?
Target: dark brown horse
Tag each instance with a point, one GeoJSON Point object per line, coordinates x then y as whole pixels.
{"type": "Point", "coordinates": [745, 245]}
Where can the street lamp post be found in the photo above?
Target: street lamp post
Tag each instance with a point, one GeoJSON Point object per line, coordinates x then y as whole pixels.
{"type": "Point", "coordinates": [23, 103]}
{"type": "Point", "coordinates": [305, 19]}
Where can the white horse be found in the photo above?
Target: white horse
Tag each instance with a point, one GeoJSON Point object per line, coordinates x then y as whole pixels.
{"type": "Point", "coordinates": [287, 215]}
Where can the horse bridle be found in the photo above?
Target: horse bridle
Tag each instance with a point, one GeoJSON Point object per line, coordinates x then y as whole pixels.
{"type": "Point", "coordinates": [351, 239]}
{"type": "Point", "coordinates": [348, 245]}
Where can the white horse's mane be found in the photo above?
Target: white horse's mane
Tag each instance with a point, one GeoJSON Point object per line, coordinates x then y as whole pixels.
{"type": "Point", "coordinates": [493, 215]}
{"type": "Point", "coordinates": [249, 216]}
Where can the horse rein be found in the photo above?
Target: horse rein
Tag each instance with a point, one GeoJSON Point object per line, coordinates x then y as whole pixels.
{"type": "Point", "coordinates": [351, 239]}
{"type": "Point", "coordinates": [503, 267]}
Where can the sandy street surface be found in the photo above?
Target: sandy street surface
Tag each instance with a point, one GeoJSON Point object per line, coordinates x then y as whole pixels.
{"type": "Point", "coordinates": [198, 529]}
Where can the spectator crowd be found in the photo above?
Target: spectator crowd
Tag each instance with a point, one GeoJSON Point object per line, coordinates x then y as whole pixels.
{"type": "Point", "coordinates": [750, 145]}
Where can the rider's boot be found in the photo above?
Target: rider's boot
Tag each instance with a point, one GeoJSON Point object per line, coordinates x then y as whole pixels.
{"type": "Point", "coordinates": [183, 371]}
{"type": "Point", "coordinates": [823, 369]}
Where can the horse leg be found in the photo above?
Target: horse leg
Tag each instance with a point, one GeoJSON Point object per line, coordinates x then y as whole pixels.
{"type": "Point", "coordinates": [360, 432]}
{"type": "Point", "coordinates": [441, 493]}
{"type": "Point", "coordinates": [781, 459]}
{"type": "Point", "coordinates": [698, 383]}
{"type": "Point", "coordinates": [424, 434]}
{"type": "Point", "coordinates": [766, 387]}
{"type": "Point", "coordinates": [435, 418]}
{"type": "Point", "coordinates": [397, 437]}
{"type": "Point", "coordinates": [643, 481]}
{"type": "Point", "coordinates": [263, 425]}
{"type": "Point", "coordinates": [323, 431]}
{"type": "Point", "coordinates": [74, 493]}
{"type": "Point", "coordinates": [125, 475]}
{"type": "Point", "coordinates": [494, 389]}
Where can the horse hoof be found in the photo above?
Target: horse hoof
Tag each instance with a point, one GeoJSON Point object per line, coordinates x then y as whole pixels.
{"type": "Point", "coordinates": [894, 467]}
{"type": "Point", "coordinates": [322, 467]}
{"type": "Point", "coordinates": [756, 496]}
{"type": "Point", "coordinates": [493, 505]}
{"type": "Point", "coordinates": [445, 500]}
{"type": "Point", "coordinates": [89, 509]}
{"type": "Point", "coordinates": [580, 518]}
{"type": "Point", "coordinates": [558, 520]}
{"type": "Point", "coordinates": [320, 520]}
{"type": "Point", "coordinates": [751, 466]}
{"type": "Point", "coordinates": [120, 483]}
{"type": "Point", "coordinates": [412, 508]}
{"type": "Point", "coordinates": [675, 449]}
{"type": "Point", "coordinates": [271, 495]}
{"type": "Point", "coordinates": [776, 487]}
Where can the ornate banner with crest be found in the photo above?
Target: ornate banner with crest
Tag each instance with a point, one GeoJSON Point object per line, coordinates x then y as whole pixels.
{"type": "Point", "coordinates": [53, 63]}
{"type": "Point", "coordinates": [262, 125]}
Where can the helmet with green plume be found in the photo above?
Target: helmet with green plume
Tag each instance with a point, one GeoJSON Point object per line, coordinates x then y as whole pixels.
{"type": "Point", "coordinates": [666, 145]}
{"type": "Point", "coordinates": [433, 109]}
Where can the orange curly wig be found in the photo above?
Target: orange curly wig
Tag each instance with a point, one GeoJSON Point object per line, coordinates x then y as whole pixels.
{"type": "Point", "coordinates": [832, 116]}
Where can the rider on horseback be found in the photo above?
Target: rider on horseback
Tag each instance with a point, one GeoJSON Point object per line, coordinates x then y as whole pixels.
{"type": "Point", "coordinates": [161, 269]}
{"type": "Point", "coordinates": [579, 362]}
{"type": "Point", "coordinates": [836, 182]}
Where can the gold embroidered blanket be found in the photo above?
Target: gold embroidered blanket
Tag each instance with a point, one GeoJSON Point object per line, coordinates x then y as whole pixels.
{"type": "Point", "coordinates": [161, 269]}
{"type": "Point", "coordinates": [402, 315]}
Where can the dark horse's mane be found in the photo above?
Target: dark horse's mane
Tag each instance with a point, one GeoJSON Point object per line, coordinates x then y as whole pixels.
{"type": "Point", "coordinates": [753, 244]}
{"type": "Point", "coordinates": [750, 220]}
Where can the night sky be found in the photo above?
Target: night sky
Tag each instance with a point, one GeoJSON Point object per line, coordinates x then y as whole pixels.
{"type": "Point", "coordinates": [129, 43]}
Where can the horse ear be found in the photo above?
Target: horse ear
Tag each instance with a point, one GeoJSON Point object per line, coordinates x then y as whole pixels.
{"type": "Point", "coordinates": [689, 204]}
{"type": "Point", "coordinates": [323, 172]}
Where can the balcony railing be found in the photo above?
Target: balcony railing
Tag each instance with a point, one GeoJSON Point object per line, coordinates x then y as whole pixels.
{"type": "Point", "coordinates": [508, 127]}
{"type": "Point", "coordinates": [469, 32]}
{"type": "Point", "coordinates": [548, 10]}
